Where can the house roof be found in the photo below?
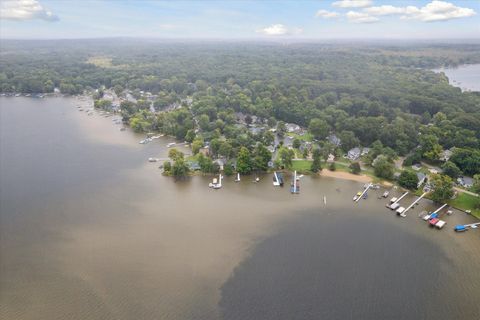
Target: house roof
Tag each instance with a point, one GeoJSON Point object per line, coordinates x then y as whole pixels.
{"type": "Point", "coordinates": [421, 176]}
{"type": "Point", "coordinates": [354, 150]}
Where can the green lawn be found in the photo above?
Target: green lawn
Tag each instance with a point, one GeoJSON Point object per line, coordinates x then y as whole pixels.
{"type": "Point", "coordinates": [306, 137]}
{"type": "Point", "coordinates": [301, 165]}
{"type": "Point", "coordinates": [466, 201]}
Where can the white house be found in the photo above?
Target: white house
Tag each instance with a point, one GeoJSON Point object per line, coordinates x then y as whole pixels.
{"type": "Point", "coordinates": [354, 154]}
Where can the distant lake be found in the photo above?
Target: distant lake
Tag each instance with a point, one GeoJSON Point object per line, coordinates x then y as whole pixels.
{"type": "Point", "coordinates": [466, 77]}
{"type": "Point", "coordinates": [89, 229]}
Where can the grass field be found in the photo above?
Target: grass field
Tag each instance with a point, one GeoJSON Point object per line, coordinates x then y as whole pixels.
{"type": "Point", "coordinates": [301, 165]}
{"type": "Point", "coordinates": [305, 137]}
{"type": "Point", "coordinates": [466, 201]}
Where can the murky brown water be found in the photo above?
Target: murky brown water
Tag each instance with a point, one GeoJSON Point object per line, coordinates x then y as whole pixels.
{"type": "Point", "coordinates": [91, 230]}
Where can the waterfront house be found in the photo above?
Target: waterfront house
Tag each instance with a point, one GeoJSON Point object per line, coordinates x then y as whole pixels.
{"type": "Point", "coordinates": [354, 154]}
{"type": "Point", "coordinates": [331, 158]}
{"type": "Point", "coordinates": [421, 178]}
{"type": "Point", "coordinates": [220, 162]}
{"type": "Point", "coordinates": [333, 139]}
{"type": "Point", "coordinates": [193, 165]}
{"type": "Point", "coordinates": [465, 182]}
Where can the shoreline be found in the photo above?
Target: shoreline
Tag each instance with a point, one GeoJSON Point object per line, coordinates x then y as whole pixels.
{"type": "Point", "coordinates": [345, 176]}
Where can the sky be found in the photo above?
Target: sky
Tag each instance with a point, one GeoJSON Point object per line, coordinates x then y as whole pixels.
{"type": "Point", "coordinates": [301, 19]}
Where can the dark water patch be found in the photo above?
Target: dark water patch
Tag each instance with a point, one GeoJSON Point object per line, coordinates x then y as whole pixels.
{"type": "Point", "coordinates": [340, 267]}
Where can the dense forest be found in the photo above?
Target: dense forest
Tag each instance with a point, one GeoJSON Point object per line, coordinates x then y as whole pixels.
{"type": "Point", "coordinates": [376, 94]}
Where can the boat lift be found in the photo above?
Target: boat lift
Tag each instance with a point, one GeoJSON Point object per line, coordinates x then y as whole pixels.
{"type": "Point", "coordinates": [426, 217]}
{"type": "Point", "coordinates": [404, 213]}
{"type": "Point", "coordinates": [461, 227]}
{"type": "Point", "coordinates": [294, 189]}
{"type": "Point", "coordinates": [364, 191]}
{"type": "Point", "coordinates": [395, 204]}
{"type": "Point", "coordinates": [276, 183]}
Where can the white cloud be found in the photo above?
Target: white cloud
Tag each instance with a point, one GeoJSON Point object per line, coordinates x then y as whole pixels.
{"type": "Point", "coordinates": [360, 17]}
{"type": "Point", "coordinates": [326, 14]}
{"type": "Point", "coordinates": [437, 11]}
{"type": "Point", "coordinates": [279, 30]}
{"type": "Point", "coordinates": [433, 11]}
{"type": "Point", "coordinates": [384, 10]}
{"type": "Point", "coordinates": [352, 3]}
{"type": "Point", "coordinates": [25, 10]}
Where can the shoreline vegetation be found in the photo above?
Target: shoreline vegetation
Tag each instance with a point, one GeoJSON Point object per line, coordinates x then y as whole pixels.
{"type": "Point", "coordinates": [358, 111]}
{"type": "Point", "coordinates": [464, 202]}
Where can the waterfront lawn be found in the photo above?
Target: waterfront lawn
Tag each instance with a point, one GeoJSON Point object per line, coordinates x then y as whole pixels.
{"type": "Point", "coordinates": [301, 165]}
{"type": "Point", "coordinates": [466, 201]}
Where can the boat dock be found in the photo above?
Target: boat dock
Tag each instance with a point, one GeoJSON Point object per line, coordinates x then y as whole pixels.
{"type": "Point", "coordinates": [404, 213]}
{"type": "Point", "coordinates": [364, 191]}
{"type": "Point", "coordinates": [465, 227]}
{"type": "Point", "coordinates": [295, 188]}
{"type": "Point", "coordinates": [394, 202]}
{"type": "Point", "coordinates": [434, 214]}
{"type": "Point", "coordinates": [277, 179]}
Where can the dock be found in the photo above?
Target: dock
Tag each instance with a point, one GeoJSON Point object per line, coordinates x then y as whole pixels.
{"type": "Point", "coordinates": [465, 227]}
{"type": "Point", "coordinates": [277, 179]}
{"type": "Point", "coordinates": [404, 213]}
{"type": "Point", "coordinates": [395, 204]}
{"type": "Point", "coordinates": [434, 214]}
{"type": "Point", "coordinates": [295, 188]}
{"type": "Point", "coordinates": [364, 191]}
{"type": "Point", "coordinates": [438, 210]}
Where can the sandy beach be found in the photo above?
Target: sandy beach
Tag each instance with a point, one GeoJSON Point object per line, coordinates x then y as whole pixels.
{"type": "Point", "coordinates": [346, 176]}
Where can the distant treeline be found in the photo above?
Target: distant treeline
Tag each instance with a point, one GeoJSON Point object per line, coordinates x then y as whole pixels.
{"type": "Point", "coordinates": [361, 92]}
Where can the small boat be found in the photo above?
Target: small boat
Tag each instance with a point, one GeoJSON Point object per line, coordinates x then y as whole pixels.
{"type": "Point", "coordinates": [153, 159]}
{"type": "Point", "coordinates": [365, 196]}
{"type": "Point", "coordinates": [440, 224]}
{"type": "Point", "coordinates": [385, 194]}
{"type": "Point", "coordinates": [433, 221]}
{"type": "Point", "coordinates": [171, 144]}
{"type": "Point", "coordinates": [257, 179]}
{"type": "Point", "coordinates": [355, 197]}
{"type": "Point", "coordinates": [237, 179]}
{"type": "Point", "coordinates": [143, 142]}
{"type": "Point", "coordinates": [460, 228]}
{"type": "Point", "coordinates": [325, 200]}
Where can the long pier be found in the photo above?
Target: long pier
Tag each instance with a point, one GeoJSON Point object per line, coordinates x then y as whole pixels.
{"type": "Point", "coordinates": [404, 213]}
{"type": "Point", "coordinates": [364, 191]}
{"type": "Point", "coordinates": [438, 210]}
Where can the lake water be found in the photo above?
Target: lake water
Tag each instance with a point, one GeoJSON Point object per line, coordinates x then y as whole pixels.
{"type": "Point", "coordinates": [466, 77]}
{"type": "Point", "coordinates": [90, 230]}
